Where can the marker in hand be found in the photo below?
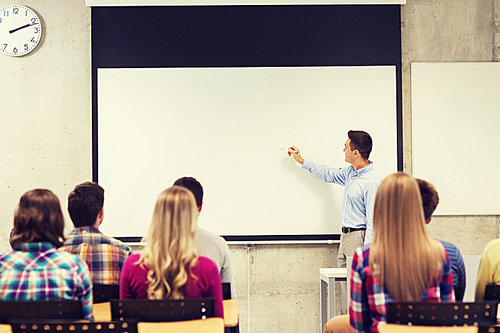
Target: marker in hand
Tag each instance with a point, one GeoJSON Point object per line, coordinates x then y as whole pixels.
{"type": "Point", "coordinates": [290, 151]}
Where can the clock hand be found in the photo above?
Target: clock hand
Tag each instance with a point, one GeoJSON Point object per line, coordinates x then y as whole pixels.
{"type": "Point", "coordinates": [24, 26]}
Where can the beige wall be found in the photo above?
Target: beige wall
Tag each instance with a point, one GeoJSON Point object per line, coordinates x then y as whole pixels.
{"type": "Point", "coordinates": [45, 110]}
{"type": "Point", "coordinates": [45, 140]}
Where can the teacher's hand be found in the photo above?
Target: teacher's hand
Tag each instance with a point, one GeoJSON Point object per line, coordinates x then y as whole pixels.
{"type": "Point", "coordinates": [295, 152]}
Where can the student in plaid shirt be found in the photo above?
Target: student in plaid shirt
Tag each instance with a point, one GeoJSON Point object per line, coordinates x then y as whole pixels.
{"type": "Point", "coordinates": [104, 255]}
{"type": "Point", "coordinates": [403, 263]}
{"type": "Point", "coordinates": [35, 269]}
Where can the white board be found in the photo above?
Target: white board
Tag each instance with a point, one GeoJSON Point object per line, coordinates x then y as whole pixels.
{"type": "Point", "coordinates": [226, 127]}
{"type": "Point", "coordinates": [456, 114]}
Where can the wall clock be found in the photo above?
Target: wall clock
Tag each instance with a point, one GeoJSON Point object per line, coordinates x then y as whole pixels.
{"type": "Point", "coordinates": [20, 30]}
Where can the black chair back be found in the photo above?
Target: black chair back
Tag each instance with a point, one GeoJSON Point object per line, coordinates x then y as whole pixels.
{"type": "Point", "coordinates": [492, 292]}
{"type": "Point", "coordinates": [62, 327]}
{"type": "Point", "coordinates": [459, 293]}
{"type": "Point", "coordinates": [40, 310]}
{"type": "Point", "coordinates": [489, 329]}
{"type": "Point", "coordinates": [162, 311]}
{"type": "Point", "coordinates": [442, 314]}
{"type": "Point", "coordinates": [105, 292]}
{"type": "Point", "coordinates": [226, 290]}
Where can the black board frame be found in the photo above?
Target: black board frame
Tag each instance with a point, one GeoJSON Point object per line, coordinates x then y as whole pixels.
{"type": "Point", "coordinates": [246, 36]}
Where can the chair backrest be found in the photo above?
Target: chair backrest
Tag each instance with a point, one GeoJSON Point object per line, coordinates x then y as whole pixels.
{"type": "Point", "coordinates": [489, 329]}
{"type": "Point", "coordinates": [104, 292]}
{"type": "Point", "coordinates": [442, 314]}
{"type": "Point", "coordinates": [226, 290]}
{"type": "Point", "coordinates": [38, 310]}
{"type": "Point", "coordinates": [209, 325]}
{"type": "Point", "coordinates": [492, 292]}
{"type": "Point", "coordinates": [164, 310]}
{"type": "Point", "coordinates": [64, 327]}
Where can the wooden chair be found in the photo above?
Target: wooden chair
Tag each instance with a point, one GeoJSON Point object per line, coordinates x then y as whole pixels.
{"type": "Point", "coordinates": [209, 325]}
{"type": "Point", "coordinates": [231, 316]}
{"type": "Point", "coordinates": [163, 310]}
{"type": "Point", "coordinates": [104, 292]}
{"type": "Point", "coordinates": [64, 327]}
{"type": "Point", "coordinates": [442, 314]}
{"type": "Point", "coordinates": [395, 328]}
{"type": "Point", "coordinates": [40, 310]}
{"type": "Point", "coordinates": [102, 311]}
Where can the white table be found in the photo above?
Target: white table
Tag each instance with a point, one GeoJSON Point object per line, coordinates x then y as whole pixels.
{"type": "Point", "coordinates": [328, 277]}
{"type": "Point", "coordinates": [327, 292]}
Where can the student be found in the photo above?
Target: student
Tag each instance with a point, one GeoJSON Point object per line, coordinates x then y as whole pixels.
{"type": "Point", "coordinates": [35, 269]}
{"type": "Point", "coordinates": [430, 200]}
{"type": "Point", "coordinates": [168, 266]}
{"type": "Point", "coordinates": [403, 262]}
{"type": "Point", "coordinates": [206, 243]}
{"type": "Point", "coordinates": [488, 271]}
{"type": "Point", "coordinates": [104, 255]}
{"type": "Point", "coordinates": [361, 181]}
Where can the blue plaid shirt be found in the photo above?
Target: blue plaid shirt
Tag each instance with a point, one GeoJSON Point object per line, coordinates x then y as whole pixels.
{"type": "Point", "coordinates": [39, 271]}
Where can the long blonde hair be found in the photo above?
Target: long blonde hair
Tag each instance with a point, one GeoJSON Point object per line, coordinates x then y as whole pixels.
{"type": "Point", "coordinates": [403, 254]}
{"type": "Point", "coordinates": [169, 253]}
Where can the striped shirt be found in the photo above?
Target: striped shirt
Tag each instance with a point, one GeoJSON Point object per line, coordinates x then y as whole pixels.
{"type": "Point", "coordinates": [457, 267]}
{"type": "Point", "coordinates": [369, 299]}
{"type": "Point", "coordinates": [38, 271]}
{"type": "Point", "coordinates": [104, 255]}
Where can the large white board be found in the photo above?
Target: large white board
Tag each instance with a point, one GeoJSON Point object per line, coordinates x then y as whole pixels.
{"type": "Point", "coordinates": [226, 127]}
{"type": "Point", "coordinates": [456, 115]}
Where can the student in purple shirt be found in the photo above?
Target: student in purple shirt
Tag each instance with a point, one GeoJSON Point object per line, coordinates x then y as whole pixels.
{"type": "Point", "coordinates": [171, 239]}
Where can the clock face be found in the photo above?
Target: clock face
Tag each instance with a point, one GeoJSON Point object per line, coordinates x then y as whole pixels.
{"type": "Point", "coordinates": [20, 30]}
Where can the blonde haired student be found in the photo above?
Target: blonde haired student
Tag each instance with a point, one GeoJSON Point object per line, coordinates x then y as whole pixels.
{"type": "Point", "coordinates": [403, 262]}
{"type": "Point", "coordinates": [168, 267]}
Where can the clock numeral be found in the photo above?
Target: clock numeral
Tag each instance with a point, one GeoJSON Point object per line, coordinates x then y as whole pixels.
{"type": "Point", "coordinates": [33, 40]}
{"type": "Point", "coordinates": [37, 30]}
{"type": "Point", "coordinates": [4, 47]}
{"type": "Point", "coordinates": [15, 11]}
{"type": "Point", "coordinates": [5, 13]}
{"type": "Point", "coordinates": [25, 47]}
{"type": "Point", "coordinates": [0, 20]}
{"type": "Point", "coordinates": [33, 20]}
{"type": "Point", "coordinates": [14, 50]}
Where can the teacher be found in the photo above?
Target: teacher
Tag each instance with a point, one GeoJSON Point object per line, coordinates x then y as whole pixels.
{"type": "Point", "coordinates": [361, 182]}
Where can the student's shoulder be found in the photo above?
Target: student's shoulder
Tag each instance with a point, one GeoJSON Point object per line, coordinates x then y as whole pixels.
{"type": "Point", "coordinates": [492, 250]}
{"type": "Point", "coordinates": [206, 264]}
{"type": "Point", "coordinates": [66, 260]}
{"type": "Point", "coordinates": [450, 248]}
{"type": "Point", "coordinates": [203, 236]}
{"type": "Point", "coordinates": [116, 243]}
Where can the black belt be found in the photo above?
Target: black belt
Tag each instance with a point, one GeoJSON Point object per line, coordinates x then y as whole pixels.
{"type": "Point", "coordinates": [349, 230]}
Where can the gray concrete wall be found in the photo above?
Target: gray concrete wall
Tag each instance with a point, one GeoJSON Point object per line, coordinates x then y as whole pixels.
{"type": "Point", "coordinates": [45, 140]}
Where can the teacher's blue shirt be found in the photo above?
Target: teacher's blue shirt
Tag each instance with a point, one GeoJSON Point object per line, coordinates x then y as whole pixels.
{"type": "Point", "coordinates": [359, 193]}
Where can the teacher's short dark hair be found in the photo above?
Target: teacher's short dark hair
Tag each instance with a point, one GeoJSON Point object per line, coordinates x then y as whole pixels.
{"type": "Point", "coordinates": [194, 186]}
{"type": "Point", "coordinates": [362, 142]}
{"type": "Point", "coordinates": [430, 197]}
{"type": "Point", "coordinates": [85, 203]}
{"type": "Point", "coordinates": [38, 218]}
